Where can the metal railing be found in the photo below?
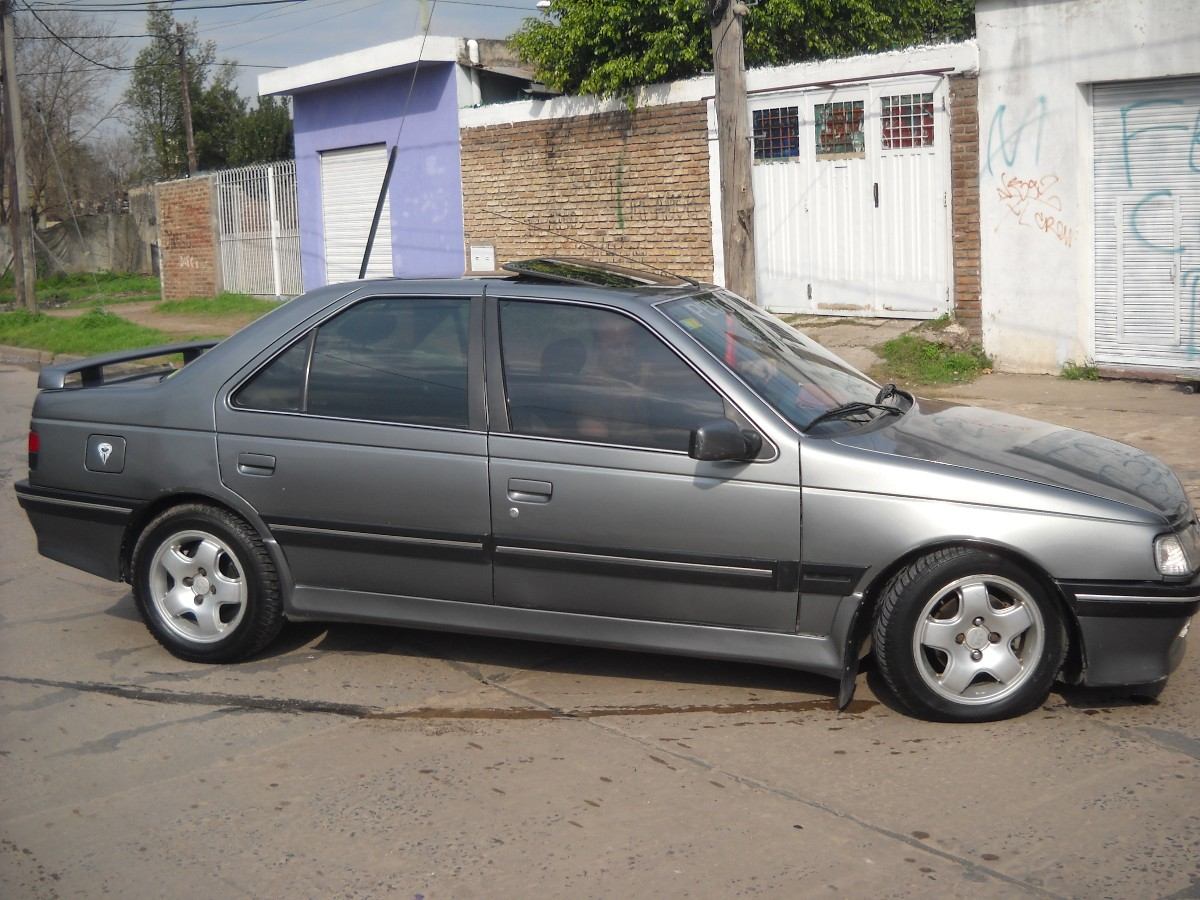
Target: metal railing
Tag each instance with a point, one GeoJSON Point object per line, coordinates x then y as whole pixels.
{"type": "Point", "coordinates": [258, 230]}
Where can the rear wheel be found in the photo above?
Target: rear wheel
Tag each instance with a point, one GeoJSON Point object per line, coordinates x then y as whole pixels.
{"type": "Point", "coordinates": [205, 585]}
{"type": "Point", "coordinates": [964, 635]}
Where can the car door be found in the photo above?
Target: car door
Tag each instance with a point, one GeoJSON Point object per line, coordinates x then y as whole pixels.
{"type": "Point", "coordinates": [597, 507]}
{"type": "Point", "coordinates": [360, 440]}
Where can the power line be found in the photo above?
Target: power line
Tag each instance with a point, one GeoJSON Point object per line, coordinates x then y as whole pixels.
{"type": "Point", "coordinates": [149, 6]}
{"type": "Point", "coordinates": [66, 71]}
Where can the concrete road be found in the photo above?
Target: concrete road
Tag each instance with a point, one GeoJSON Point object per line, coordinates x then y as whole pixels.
{"type": "Point", "coordinates": [366, 762]}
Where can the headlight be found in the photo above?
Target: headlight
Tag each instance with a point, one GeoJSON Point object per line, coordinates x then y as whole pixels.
{"type": "Point", "coordinates": [1169, 555]}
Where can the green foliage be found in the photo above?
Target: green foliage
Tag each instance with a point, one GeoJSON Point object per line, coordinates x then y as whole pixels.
{"type": "Point", "coordinates": [225, 304]}
{"type": "Point", "coordinates": [912, 359]}
{"type": "Point", "coordinates": [264, 134]}
{"type": "Point", "coordinates": [226, 131]}
{"type": "Point", "coordinates": [83, 288]}
{"type": "Point", "coordinates": [1084, 371]}
{"type": "Point", "coordinates": [155, 94]}
{"type": "Point", "coordinates": [96, 331]}
{"type": "Point", "coordinates": [610, 47]}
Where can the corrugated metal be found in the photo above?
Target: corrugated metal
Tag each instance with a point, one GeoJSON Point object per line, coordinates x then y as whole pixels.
{"type": "Point", "coordinates": [1147, 206]}
{"type": "Point", "coordinates": [350, 181]}
{"type": "Point", "coordinates": [258, 230]}
{"type": "Point", "coordinates": [822, 244]}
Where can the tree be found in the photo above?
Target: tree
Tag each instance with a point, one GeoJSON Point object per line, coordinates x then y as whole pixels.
{"type": "Point", "coordinates": [613, 46]}
{"type": "Point", "coordinates": [217, 114]}
{"type": "Point", "coordinates": [62, 97]}
{"type": "Point", "coordinates": [155, 95]}
{"type": "Point", "coordinates": [227, 132]}
{"type": "Point", "coordinates": [264, 134]}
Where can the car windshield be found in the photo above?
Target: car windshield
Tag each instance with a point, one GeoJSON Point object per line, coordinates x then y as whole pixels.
{"type": "Point", "coordinates": [797, 376]}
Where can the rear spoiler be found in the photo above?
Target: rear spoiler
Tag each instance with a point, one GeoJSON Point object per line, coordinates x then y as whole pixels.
{"type": "Point", "coordinates": [91, 370]}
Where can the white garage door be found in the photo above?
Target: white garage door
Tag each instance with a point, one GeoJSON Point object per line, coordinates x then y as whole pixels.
{"type": "Point", "coordinates": [850, 194]}
{"type": "Point", "coordinates": [350, 181]}
{"type": "Point", "coordinates": [1147, 201]}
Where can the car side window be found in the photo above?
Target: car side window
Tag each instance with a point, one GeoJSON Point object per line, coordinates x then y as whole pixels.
{"type": "Point", "coordinates": [386, 360]}
{"type": "Point", "coordinates": [596, 375]}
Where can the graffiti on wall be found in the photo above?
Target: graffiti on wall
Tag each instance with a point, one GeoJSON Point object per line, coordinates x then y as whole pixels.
{"type": "Point", "coordinates": [1015, 138]}
{"type": "Point", "coordinates": [1035, 202]}
{"type": "Point", "coordinates": [1034, 196]}
{"type": "Point", "coordinates": [1138, 127]}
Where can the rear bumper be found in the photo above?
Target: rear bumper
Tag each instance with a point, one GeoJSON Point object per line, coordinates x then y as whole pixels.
{"type": "Point", "coordinates": [1133, 633]}
{"type": "Point", "coordinates": [76, 528]}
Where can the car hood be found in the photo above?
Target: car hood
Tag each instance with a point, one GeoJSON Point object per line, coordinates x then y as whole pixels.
{"type": "Point", "coordinates": [1001, 444]}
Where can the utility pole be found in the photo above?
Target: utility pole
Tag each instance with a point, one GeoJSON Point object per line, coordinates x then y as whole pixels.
{"type": "Point", "coordinates": [187, 102]}
{"type": "Point", "coordinates": [24, 267]}
{"type": "Point", "coordinates": [733, 144]}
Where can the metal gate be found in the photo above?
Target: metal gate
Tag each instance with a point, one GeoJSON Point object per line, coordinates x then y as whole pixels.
{"type": "Point", "coordinates": [258, 230]}
{"type": "Point", "coordinates": [851, 199]}
{"type": "Point", "coordinates": [1147, 204]}
{"type": "Point", "coordinates": [350, 181]}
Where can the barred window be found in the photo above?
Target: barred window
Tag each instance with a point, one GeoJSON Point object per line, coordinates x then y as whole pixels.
{"type": "Point", "coordinates": [776, 133]}
{"type": "Point", "coordinates": [907, 121]}
{"type": "Point", "coordinates": [839, 128]}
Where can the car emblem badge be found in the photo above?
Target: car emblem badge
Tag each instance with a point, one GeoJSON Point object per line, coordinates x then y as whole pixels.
{"type": "Point", "coordinates": [104, 450]}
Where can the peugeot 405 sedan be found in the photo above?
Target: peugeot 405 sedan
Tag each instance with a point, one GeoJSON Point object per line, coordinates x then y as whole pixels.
{"type": "Point", "coordinates": [594, 455]}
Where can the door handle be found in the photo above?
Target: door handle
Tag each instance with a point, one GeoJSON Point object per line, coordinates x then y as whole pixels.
{"type": "Point", "coordinates": [877, 195]}
{"type": "Point", "coordinates": [255, 464]}
{"type": "Point", "coordinates": [522, 490]}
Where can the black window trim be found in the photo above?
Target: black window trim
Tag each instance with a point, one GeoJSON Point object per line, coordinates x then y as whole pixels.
{"type": "Point", "coordinates": [499, 393]}
{"type": "Point", "coordinates": [476, 408]}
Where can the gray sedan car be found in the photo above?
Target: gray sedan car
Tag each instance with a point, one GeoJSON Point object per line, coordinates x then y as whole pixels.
{"type": "Point", "coordinates": [596, 456]}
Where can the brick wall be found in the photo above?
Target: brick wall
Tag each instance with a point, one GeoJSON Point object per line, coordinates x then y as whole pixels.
{"type": "Point", "coordinates": [633, 182]}
{"type": "Point", "coordinates": [187, 238]}
{"type": "Point", "coordinates": [964, 193]}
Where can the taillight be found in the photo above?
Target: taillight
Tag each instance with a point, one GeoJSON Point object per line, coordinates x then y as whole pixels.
{"type": "Point", "coordinates": [35, 446]}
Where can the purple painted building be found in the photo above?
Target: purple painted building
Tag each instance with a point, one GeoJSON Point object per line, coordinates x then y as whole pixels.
{"type": "Point", "coordinates": [349, 112]}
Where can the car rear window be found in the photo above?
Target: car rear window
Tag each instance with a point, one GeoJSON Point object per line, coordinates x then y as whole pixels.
{"type": "Point", "coordinates": [385, 360]}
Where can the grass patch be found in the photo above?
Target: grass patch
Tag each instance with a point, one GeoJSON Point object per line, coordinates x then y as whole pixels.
{"type": "Point", "coordinates": [88, 288]}
{"type": "Point", "coordinates": [1085, 371]}
{"type": "Point", "coordinates": [941, 323]}
{"type": "Point", "coordinates": [96, 331]}
{"type": "Point", "coordinates": [220, 305]}
{"type": "Point", "coordinates": [912, 359]}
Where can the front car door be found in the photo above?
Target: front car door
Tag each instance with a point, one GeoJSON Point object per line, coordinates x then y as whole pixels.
{"type": "Point", "coordinates": [360, 440]}
{"type": "Point", "coordinates": [597, 507]}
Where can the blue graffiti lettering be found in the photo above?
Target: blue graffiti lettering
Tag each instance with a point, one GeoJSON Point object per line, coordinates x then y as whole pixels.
{"type": "Point", "coordinates": [1128, 137]}
{"type": "Point", "coordinates": [1135, 225]}
{"type": "Point", "coordinates": [1193, 159]}
{"type": "Point", "coordinates": [1008, 145]}
{"type": "Point", "coordinates": [1193, 276]}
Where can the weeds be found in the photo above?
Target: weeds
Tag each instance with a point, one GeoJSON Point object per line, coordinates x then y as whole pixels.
{"type": "Point", "coordinates": [1084, 371]}
{"type": "Point", "coordinates": [913, 359]}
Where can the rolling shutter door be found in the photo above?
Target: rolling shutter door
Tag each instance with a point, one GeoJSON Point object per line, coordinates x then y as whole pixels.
{"type": "Point", "coordinates": [1147, 263]}
{"type": "Point", "coordinates": [350, 181]}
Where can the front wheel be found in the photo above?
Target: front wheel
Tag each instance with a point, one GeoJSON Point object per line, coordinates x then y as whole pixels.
{"type": "Point", "coordinates": [205, 585]}
{"type": "Point", "coordinates": [966, 636]}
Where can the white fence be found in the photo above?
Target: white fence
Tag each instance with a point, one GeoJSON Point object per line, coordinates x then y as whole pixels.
{"type": "Point", "coordinates": [258, 229]}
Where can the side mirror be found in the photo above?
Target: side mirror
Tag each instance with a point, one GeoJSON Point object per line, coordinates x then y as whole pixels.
{"type": "Point", "coordinates": [723, 439]}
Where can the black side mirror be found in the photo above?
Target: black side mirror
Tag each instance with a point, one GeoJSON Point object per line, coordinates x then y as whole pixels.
{"type": "Point", "coordinates": [723, 439]}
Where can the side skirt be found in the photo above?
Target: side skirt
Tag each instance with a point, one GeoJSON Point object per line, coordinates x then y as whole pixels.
{"type": "Point", "coordinates": [819, 654]}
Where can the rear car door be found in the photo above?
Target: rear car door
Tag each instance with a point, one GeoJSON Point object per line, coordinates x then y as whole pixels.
{"type": "Point", "coordinates": [597, 508]}
{"type": "Point", "coordinates": [360, 441]}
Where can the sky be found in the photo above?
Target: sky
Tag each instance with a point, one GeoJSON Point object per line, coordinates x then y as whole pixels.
{"type": "Point", "coordinates": [285, 34]}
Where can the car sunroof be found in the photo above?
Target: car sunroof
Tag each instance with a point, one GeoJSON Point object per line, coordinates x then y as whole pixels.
{"type": "Point", "coordinates": [572, 270]}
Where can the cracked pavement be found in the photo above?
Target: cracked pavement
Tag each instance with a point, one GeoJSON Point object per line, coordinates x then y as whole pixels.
{"type": "Point", "coordinates": [360, 761]}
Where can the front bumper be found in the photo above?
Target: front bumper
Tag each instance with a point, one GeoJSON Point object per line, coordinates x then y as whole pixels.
{"type": "Point", "coordinates": [1133, 633]}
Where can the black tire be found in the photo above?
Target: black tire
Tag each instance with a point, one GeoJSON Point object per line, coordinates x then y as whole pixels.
{"type": "Point", "coordinates": [223, 615]}
{"type": "Point", "coordinates": [949, 641]}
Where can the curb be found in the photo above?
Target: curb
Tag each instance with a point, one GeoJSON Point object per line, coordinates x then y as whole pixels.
{"type": "Point", "coordinates": [28, 356]}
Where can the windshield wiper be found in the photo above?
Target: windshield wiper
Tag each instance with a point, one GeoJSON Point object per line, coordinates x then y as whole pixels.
{"type": "Point", "coordinates": [850, 409]}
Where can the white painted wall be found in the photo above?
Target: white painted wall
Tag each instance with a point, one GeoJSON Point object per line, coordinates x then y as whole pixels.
{"type": "Point", "coordinates": [1037, 62]}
